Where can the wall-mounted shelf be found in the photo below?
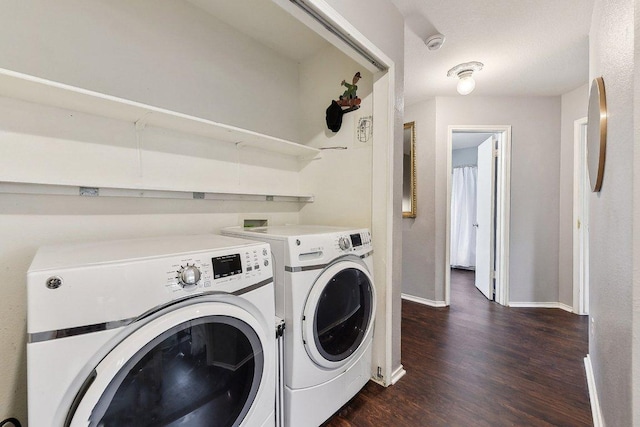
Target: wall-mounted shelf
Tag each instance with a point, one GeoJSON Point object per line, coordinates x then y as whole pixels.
{"type": "Point", "coordinates": [54, 94]}
{"type": "Point", "coordinates": [74, 190]}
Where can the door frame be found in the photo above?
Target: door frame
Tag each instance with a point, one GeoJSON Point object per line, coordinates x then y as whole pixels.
{"type": "Point", "coordinates": [503, 203]}
{"type": "Point", "coordinates": [386, 186]}
{"type": "Point", "coordinates": [580, 234]}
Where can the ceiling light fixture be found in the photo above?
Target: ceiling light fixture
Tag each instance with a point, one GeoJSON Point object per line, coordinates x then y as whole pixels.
{"type": "Point", "coordinates": [464, 72]}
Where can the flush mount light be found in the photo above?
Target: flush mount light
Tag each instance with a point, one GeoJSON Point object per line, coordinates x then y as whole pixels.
{"type": "Point", "coordinates": [464, 72]}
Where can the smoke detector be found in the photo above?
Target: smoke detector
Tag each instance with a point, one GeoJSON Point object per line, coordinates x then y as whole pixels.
{"type": "Point", "coordinates": [434, 42]}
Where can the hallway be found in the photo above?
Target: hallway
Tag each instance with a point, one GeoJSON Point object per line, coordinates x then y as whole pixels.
{"type": "Point", "coordinates": [477, 363]}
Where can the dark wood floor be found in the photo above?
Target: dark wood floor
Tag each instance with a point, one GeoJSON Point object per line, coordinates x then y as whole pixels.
{"type": "Point", "coordinates": [477, 363]}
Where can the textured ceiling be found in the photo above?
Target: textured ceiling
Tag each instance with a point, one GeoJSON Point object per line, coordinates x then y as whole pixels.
{"type": "Point", "coordinates": [528, 47]}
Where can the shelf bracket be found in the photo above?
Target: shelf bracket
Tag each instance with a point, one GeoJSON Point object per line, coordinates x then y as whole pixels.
{"type": "Point", "coordinates": [89, 191]}
{"type": "Point", "coordinates": [141, 123]}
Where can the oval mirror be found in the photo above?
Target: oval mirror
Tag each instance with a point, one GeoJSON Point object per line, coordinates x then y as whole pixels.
{"type": "Point", "coordinates": [596, 133]}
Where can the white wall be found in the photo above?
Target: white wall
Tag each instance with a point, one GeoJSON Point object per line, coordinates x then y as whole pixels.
{"type": "Point", "coordinates": [535, 168]}
{"type": "Point", "coordinates": [341, 178]}
{"type": "Point", "coordinates": [55, 146]}
{"type": "Point", "coordinates": [418, 234]}
{"type": "Point", "coordinates": [612, 227]}
{"type": "Point", "coordinates": [161, 52]}
{"type": "Point", "coordinates": [535, 162]}
{"type": "Point", "coordinates": [574, 107]}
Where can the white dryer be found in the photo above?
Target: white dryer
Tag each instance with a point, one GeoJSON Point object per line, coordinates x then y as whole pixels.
{"type": "Point", "coordinates": [172, 331]}
{"type": "Point", "coordinates": [326, 294]}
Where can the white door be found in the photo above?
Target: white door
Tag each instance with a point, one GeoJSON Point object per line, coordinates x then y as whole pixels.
{"type": "Point", "coordinates": [485, 218]}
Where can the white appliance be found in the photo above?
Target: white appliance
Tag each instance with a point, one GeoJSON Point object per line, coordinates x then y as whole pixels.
{"type": "Point", "coordinates": [326, 294]}
{"type": "Point", "coordinates": [172, 331]}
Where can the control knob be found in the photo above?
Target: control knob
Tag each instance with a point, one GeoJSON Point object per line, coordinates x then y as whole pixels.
{"type": "Point", "coordinates": [344, 243]}
{"type": "Point", "coordinates": [189, 276]}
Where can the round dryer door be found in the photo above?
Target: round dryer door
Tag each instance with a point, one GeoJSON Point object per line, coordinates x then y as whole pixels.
{"type": "Point", "coordinates": [198, 365]}
{"type": "Point", "coordinates": [339, 313]}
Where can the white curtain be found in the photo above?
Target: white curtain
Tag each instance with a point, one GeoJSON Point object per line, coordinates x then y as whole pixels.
{"type": "Point", "coordinates": [463, 216]}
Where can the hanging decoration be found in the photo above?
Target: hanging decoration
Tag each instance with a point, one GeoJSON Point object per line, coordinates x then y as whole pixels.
{"type": "Point", "coordinates": [346, 103]}
{"type": "Point", "coordinates": [349, 97]}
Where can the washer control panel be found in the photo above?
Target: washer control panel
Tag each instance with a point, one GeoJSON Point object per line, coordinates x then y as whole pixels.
{"type": "Point", "coordinates": [209, 271]}
{"type": "Point", "coordinates": [353, 242]}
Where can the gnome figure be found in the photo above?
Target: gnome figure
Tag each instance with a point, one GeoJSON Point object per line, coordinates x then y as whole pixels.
{"type": "Point", "coordinates": [347, 102]}
{"type": "Point", "coordinates": [349, 97]}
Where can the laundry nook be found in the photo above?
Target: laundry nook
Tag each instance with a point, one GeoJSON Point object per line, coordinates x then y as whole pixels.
{"type": "Point", "coordinates": [133, 133]}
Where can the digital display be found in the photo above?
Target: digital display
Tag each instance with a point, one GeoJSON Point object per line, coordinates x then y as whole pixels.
{"type": "Point", "coordinates": [356, 240]}
{"type": "Point", "coordinates": [226, 265]}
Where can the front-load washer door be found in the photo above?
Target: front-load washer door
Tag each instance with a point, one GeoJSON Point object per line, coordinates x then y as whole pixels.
{"type": "Point", "coordinates": [198, 365]}
{"type": "Point", "coordinates": [339, 313]}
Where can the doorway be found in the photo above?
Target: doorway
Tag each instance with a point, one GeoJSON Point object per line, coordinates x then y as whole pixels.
{"type": "Point", "coordinates": [477, 225]}
{"type": "Point", "coordinates": [581, 191]}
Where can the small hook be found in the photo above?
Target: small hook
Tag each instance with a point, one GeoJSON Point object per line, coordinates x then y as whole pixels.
{"type": "Point", "coordinates": [350, 109]}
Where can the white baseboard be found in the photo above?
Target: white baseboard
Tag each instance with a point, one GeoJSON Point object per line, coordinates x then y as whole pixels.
{"type": "Point", "coordinates": [559, 305]}
{"type": "Point", "coordinates": [593, 394]}
{"type": "Point", "coordinates": [397, 374]}
{"type": "Point", "coordinates": [424, 301]}
{"type": "Point", "coordinates": [565, 307]}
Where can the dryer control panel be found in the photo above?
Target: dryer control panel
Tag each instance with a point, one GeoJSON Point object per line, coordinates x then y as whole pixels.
{"type": "Point", "coordinates": [316, 249]}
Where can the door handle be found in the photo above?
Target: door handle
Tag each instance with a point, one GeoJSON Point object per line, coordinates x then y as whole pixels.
{"type": "Point", "coordinates": [475, 225]}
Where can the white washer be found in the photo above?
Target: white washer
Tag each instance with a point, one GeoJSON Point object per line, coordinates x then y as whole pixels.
{"type": "Point", "coordinates": [326, 294]}
{"type": "Point", "coordinates": [172, 331]}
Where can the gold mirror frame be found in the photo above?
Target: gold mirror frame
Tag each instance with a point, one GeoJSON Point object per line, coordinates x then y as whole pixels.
{"type": "Point", "coordinates": [409, 171]}
{"type": "Point", "coordinates": [596, 133]}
